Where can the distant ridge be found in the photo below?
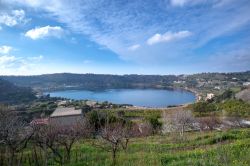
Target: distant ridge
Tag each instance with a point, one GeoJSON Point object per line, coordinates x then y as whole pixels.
{"type": "Point", "coordinates": [60, 81]}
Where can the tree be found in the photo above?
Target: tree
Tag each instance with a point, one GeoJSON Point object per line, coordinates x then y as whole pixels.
{"type": "Point", "coordinates": [94, 119]}
{"type": "Point", "coordinates": [180, 121]}
{"type": "Point", "coordinates": [144, 129]}
{"type": "Point", "coordinates": [204, 108]}
{"type": "Point", "coordinates": [99, 119]}
{"type": "Point", "coordinates": [68, 135]}
{"type": "Point", "coordinates": [114, 136]}
{"type": "Point", "coordinates": [155, 123]}
{"type": "Point", "coordinates": [14, 132]}
{"type": "Point", "coordinates": [45, 137]}
{"type": "Point", "coordinates": [85, 108]}
{"type": "Point", "coordinates": [59, 136]}
{"type": "Point", "coordinates": [209, 123]}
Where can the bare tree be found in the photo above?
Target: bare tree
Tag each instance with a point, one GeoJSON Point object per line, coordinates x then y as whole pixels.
{"type": "Point", "coordinates": [14, 132]}
{"type": "Point", "coordinates": [143, 129]}
{"type": "Point", "coordinates": [69, 135]}
{"type": "Point", "coordinates": [59, 136]}
{"type": "Point", "coordinates": [46, 138]}
{"type": "Point", "coordinates": [233, 120]}
{"type": "Point", "coordinates": [180, 121]}
{"type": "Point", "coordinates": [209, 123]}
{"type": "Point", "coordinates": [113, 137]}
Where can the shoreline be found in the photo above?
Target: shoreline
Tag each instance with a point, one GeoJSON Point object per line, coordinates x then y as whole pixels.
{"type": "Point", "coordinates": [195, 93]}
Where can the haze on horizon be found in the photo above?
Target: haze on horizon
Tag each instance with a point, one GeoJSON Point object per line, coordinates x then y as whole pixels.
{"type": "Point", "coordinates": [123, 36]}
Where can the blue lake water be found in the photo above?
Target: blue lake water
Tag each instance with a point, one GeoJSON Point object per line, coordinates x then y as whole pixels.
{"type": "Point", "coordinates": [136, 97]}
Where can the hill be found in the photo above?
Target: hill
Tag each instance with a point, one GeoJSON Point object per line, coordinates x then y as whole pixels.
{"type": "Point", "coordinates": [91, 81]}
{"type": "Point", "coordinates": [12, 94]}
{"type": "Point", "coordinates": [203, 82]}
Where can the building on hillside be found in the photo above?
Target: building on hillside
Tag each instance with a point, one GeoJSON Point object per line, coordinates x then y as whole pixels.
{"type": "Point", "coordinates": [209, 96]}
{"type": "Point", "coordinates": [66, 116]}
{"type": "Point", "coordinates": [91, 103]}
{"type": "Point", "coordinates": [62, 103]}
{"type": "Point", "coordinates": [199, 98]}
{"type": "Point", "coordinates": [246, 83]}
{"type": "Point", "coordinates": [217, 87]}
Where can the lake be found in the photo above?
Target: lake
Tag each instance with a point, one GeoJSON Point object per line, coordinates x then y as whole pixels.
{"type": "Point", "coordinates": [136, 97]}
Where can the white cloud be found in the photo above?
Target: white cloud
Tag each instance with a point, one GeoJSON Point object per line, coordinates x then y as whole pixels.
{"type": "Point", "coordinates": [36, 58]}
{"type": "Point", "coordinates": [6, 60]}
{"type": "Point", "coordinates": [181, 3]}
{"type": "Point", "coordinates": [42, 32]}
{"type": "Point", "coordinates": [13, 18]}
{"type": "Point", "coordinates": [5, 49]}
{"type": "Point", "coordinates": [222, 3]}
{"type": "Point", "coordinates": [14, 65]}
{"type": "Point", "coordinates": [167, 37]}
{"type": "Point", "coordinates": [214, 3]}
{"type": "Point", "coordinates": [134, 47]}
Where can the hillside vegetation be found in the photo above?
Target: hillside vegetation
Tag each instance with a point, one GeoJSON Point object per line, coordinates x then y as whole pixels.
{"type": "Point", "coordinates": [11, 94]}
{"type": "Point", "coordinates": [90, 81]}
{"type": "Point", "coordinates": [204, 82]}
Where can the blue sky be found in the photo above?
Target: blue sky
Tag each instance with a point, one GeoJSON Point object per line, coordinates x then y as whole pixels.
{"type": "Point", "coordinates": [124, 36]}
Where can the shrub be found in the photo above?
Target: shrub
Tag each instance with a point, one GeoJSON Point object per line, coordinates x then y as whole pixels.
{"type": "Point", "coordinates": [155, 123]}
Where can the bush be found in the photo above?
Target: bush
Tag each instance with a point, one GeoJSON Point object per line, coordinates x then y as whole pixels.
{"type": "Point", "coordinates": [236, 108]}
{"type": "Point", "coordinates": [204, 108]}
{"type": "Point", "coordinates": [155, 123]}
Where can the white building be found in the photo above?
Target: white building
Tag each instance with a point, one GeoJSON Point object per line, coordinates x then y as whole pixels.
{"type": "Point", "coordinates": [209, 96]}
{"type": "Point", "coordinates": [62, 103]}
{"type": "Point", "coordinates": [217, 87]}
{"type": "Point", "coordinates": [246, 83]}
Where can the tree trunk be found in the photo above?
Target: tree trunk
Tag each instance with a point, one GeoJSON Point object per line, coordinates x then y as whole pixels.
{"type": "Point", "coordinates": [45, 156]}
{"type": "Point", "coordinates": [114, 155]}
{"type": "Point", "coordinates": [182, 131]}
{"type": "Point", "coordinates": [56, 153]}
{"type": "Point", "coordinates": [68, 158]}
{"type": "Point", "coordinates": [12, 156]}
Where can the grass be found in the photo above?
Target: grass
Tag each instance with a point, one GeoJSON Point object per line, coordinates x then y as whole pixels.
{"type": "Point", "coordinates": [131, 113]}
{"type": "Point", "coordinates": [139, 114]}
{"type": "Point", "coordinates": [211, 148]}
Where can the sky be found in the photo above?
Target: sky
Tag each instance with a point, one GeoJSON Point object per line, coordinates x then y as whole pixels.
{"type": "Point", "coordinates": [124, 36]}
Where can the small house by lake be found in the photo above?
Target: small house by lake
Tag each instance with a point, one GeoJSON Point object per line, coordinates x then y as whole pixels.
{"type": "Point", "coordinates": [66, 116]}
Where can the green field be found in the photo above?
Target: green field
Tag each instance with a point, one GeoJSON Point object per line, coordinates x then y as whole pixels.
{"type": "Point", "coordinates": [213, 148]}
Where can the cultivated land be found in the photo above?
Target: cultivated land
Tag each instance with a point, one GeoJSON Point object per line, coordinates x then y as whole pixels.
{"type": "Point", "coordinates": [210, 148]}
{"type": "Point", "coordinates": [231, 147]}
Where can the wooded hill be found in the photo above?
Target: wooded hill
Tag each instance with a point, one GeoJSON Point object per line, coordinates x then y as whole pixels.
{"type": "Point", "coordinates": [104, 81]}
{"type": "Point", "coordinates": [12, 94]}
{"type": "Point", "coordinates": [91, 81]}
